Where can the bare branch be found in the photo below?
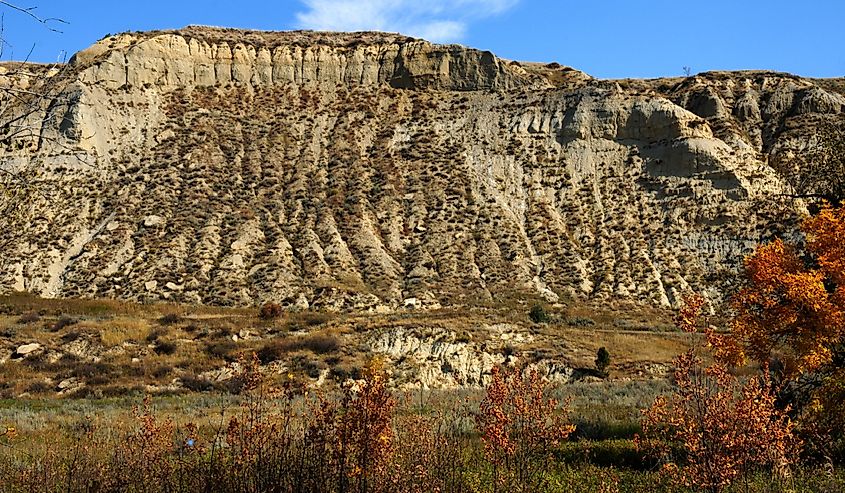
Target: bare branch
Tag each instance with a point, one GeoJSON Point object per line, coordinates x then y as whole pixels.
{"type": "Point", "coordinates": [30, 11]}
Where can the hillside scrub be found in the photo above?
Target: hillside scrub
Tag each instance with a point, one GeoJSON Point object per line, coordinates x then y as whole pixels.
{"type": "Point", "coordinates": [718, 426]}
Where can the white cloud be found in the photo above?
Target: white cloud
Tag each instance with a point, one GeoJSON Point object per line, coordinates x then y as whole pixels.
{"type": "Point", "coordinates": [435, 20]}
{"type": "Point", "coordinates": [439, 31]}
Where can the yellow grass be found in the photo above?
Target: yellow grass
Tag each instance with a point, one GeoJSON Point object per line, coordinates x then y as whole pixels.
{"type": "Point", "coordinates": [119, 330]}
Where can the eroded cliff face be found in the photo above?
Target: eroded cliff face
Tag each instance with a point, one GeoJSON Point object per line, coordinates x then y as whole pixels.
{"type": "Point", "coordinates": [358, 171]}
{"type": "Point", "coordinates": [203, 57]}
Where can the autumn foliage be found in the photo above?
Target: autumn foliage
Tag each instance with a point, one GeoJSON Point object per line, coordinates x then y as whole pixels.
{"type": "Point", "coordinates": [793, 304]}
{"type": "Point", "coordinates": [714, 428]}
{"type": "Point", "coordinates": [519, 426]}
{"type": "Point", "coordinates": [791, 311]}
{"type": "Point", "coordinates": [285, 437]}
{"type": "Point", "coordinates": [355, 433]}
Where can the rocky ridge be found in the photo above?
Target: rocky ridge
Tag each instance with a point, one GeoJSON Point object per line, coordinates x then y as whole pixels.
{"type": "Point", "coordinates": [360, 171]}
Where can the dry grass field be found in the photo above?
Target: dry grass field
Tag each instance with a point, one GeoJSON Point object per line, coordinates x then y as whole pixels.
{"type": "Point", "coordinates": [115, 391]}
{"type": "Point", "coordinates": [106, 348]}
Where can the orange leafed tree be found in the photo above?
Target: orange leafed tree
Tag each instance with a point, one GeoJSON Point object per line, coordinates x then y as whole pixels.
{"type": "Point", "coordinates": [791, 309]}
{"type": "Point", "coordinates": [792, 306]}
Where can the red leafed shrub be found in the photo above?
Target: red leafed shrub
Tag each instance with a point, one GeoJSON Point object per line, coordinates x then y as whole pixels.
{"type": "Point", "coordinates": [519, 426]}
{"type": "Point", "coordinates": [714, 428]}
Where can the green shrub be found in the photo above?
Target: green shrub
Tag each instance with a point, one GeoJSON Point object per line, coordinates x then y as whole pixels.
{"type": "Point", "coordinates": [196, 384]}
{"type": "Point", "coordinates": [154, 335]}
{"type": "Point", "coordinates": [71, 336]}
{"type": "Point", "coordinates": [317, 344]}
{"type": "Point", "coordinates": [90, 371]}
{"type": "Point", "coordinates": [605, 428]}
{"type": "Point", "coordinates": [342, 373]}
{"type": "Point", "coordinates": [606, 453]}
{"type": "Point", "coordinates": [273, 351]}
{"type": "Point", "coordinates": [162, 371]}
{"type": "Point", "coordinates": [62, 323]}
{"type": "Point", "coordinates": [312, 319]}
{"type": "Point", "coordinates": [538, 314]}
{"type": "Point", "coordinates": [321, 343]}
{"type": "Point", "coordinates": [165, 347]}
{"type": "Point", "coordinates": [222, 349]}
{"type": "Point", "coordinates": [39, 387]}
{"type": "Point", "coordinates": [28, 318]}
{"type": "Point", "coordinates": [581, 322]}
{"type": "Point", "coordinates": [170, 319]}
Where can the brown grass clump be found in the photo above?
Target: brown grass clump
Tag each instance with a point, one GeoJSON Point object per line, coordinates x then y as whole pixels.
{"type": "Point", "coordinates": [270, 310]}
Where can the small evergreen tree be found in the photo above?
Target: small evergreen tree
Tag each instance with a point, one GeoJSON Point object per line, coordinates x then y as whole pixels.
{"type": "Point", "coordinates": [602, 360]}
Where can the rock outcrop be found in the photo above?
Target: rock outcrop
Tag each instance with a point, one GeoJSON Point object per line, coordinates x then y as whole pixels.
{"type": "Point", "coordinates": [204, 57]}
{"type": "Point", "coordinates": [356, 171]}
{"type": "Point", "coordinates": [431, 357]}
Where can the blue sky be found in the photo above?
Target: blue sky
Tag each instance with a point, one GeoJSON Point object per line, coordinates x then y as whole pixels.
{"type": "Point", "coordinates": [605, 38]}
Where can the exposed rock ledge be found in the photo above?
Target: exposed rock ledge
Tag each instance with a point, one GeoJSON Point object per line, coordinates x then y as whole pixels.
{"type": "Point", "coordinates": [203, 56]}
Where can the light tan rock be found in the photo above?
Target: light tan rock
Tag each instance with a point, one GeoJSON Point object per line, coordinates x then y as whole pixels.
{"type": "Point", "coordinates": [26, 349]}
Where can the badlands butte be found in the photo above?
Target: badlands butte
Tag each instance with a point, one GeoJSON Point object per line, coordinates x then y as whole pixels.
{"type": "Point", "coordinates": [373, 172]}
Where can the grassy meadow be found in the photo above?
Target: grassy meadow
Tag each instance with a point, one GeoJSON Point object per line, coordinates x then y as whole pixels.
{"type": "Point", "coordinates": [142, 414]}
